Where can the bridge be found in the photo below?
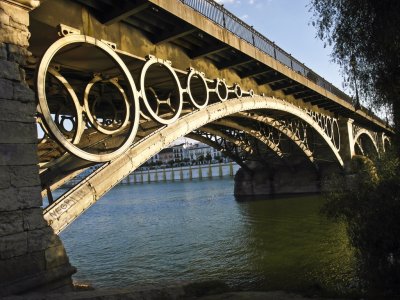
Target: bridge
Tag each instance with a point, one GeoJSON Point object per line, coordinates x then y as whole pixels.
{"type": "Point", "coordinates": [111, 84]}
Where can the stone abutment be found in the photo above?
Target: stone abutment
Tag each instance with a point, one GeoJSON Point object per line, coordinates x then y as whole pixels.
{"type": "Point", "coordinates": [31, 255]}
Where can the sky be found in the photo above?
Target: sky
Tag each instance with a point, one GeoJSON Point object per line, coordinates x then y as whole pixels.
{"type": "Point", "coordinates": [288, 24]}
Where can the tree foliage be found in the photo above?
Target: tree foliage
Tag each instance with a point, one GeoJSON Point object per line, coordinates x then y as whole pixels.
{"type": "Point", "coordinates": [370, 209]}
{"type": "Point", "coordinates": [365, 37]}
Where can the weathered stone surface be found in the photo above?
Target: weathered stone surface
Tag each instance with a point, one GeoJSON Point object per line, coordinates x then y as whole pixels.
{"type": "Point", "coordinates": [48, 280]}
{"type": "Point", "coordinates": [13, 245]}
{"type": "Point", "coordinates": [3, 49]}
{"type": "Point", "coordinates": [17, 14]}
{"type": "Point", "coordinates": [9, 70]}
{"type": "Point", "coordinates": [42, 239]}
{"type": "Point", "coordinates": [16, 111]}
{"type": "Point", "coordinates": [33, 220]}
{"type": "Point", "coordinates": [14, 36]}
{"type": "Point", "coordinates": [8, 199]}
{"type": "Point", "coordinates": [17, 54]}
{"type": "Point", "coordinates": [18, 132]}
{"type": "Point", "coordinates": [30, 253]}
{"type": "Point", "coordinates": [19, 198]}
{"type": "Point", "coordinates": [4, 18]}
{"type": "Point", "coordinates": [24, 176]}
{"type": "Point", "coordinates": [23, 93]}
{"type": "Point", "coordinates": [18, 154]}
{"type": "Point", "coordinates": [5, 180]}
{"type": "Point", "coordinates": [21, 267]}
{"type": "Point", "coordinates": [56, 256]}
{"type": "Point", "coordinates": [6, 88]}
{"type": "Point", "coordinates": [11, 222]}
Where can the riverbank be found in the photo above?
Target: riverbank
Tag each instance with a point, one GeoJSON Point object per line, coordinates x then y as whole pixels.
{"type": "Point", "coordinates": [210, 290]}
{"type": "Point", "coordinates": [191, 172]}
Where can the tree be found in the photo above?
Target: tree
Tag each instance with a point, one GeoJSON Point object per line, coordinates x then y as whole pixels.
{"type": "Point", "coordinates": [370, 210]}
{"type": "Point", "coordinates": [366, 43]}
{"type": "Point", "coordinates": [200, 158]}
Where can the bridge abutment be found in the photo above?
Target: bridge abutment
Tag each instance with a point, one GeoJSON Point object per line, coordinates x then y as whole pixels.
{"type": "Point", "coordinates": [31, 255]}
{"type": "Point", "coordinates": [266, 180]}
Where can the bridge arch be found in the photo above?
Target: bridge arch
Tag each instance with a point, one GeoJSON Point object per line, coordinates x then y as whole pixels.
{"type": "Point", "coordinates": [78, 199]}
{"type": "Point", "coordinates": [365, 143]}
{"type": "Point", "coordinates": [386, 143]}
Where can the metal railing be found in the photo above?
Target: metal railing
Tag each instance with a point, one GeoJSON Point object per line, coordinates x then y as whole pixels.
{"type": "Point", "coordinates": [218, 14]}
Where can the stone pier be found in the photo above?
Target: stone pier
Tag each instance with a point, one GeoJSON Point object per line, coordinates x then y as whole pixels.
{"type": "Point", "coordinates": [31, 255]}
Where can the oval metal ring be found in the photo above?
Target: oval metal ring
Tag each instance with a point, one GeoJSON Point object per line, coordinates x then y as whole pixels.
{"type": "Point", "coordinates": [238, 90]}
{"type": "Point", "coordinates": [193, 74]}
{"type": "Point", "coordinates": [41, 94]}
{"type": "Point", "coordinates": [92, 119]}
{"type": "Point", "coordinates": [154, 114]}
{"type": "Point", "coordinates": [221, 89]}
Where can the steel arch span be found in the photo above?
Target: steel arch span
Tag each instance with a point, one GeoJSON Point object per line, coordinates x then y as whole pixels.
{"type": "Point", "coordinates": [115, 110]}
{"type": "Point", "coordinates": [81, 197]}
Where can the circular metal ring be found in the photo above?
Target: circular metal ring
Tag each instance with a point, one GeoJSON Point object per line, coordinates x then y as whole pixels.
{"type": "Point", "coordinates": [238, 90]}
{"type": "Point", "coordinates": [79, 121]}
{"type": "Point", "coordinates": [221, 89]}
{"type": "Point", "coordinates": [193, 74]}
{"type": "Point", "coordinates": [153, 114]}
{"type": "Point", "coordinates": [41, 93]}
{"type": "Point", "coordinates": [92, 119]}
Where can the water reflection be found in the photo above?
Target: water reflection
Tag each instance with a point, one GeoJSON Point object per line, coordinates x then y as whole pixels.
{"type": "Point", "coordinates": [161, 234]}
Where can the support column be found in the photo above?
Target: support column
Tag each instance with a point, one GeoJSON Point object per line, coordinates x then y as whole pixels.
{"type": "Point", "coordinates": [346, 140]}
{"type": "Point", "coordinates": [31, 255]}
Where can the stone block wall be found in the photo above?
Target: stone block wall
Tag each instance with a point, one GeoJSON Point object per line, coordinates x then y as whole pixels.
{"type": "Point", "coordinates": [31, 255]}
{"type": "Point", "coordinates": [284, 180]}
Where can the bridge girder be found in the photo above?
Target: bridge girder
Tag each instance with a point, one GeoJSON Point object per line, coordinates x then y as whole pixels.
{"type": "Point", "coordinates": [159, 106]}
{"type": "Point", "coordinates": [74, 202]}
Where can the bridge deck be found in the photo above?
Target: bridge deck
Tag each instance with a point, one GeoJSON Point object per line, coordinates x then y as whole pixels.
{"type": "Point", "coordinates": [204, 29]}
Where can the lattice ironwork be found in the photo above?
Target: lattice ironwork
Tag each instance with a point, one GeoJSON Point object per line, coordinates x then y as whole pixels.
{"type": "Point", "coordinates": [328, 124]}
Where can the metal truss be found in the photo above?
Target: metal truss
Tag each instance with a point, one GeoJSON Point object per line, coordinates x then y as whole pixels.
{"type": "Point", "coordinates": [328, 124]}
{"type": "Point", "coordinates": [97, 118]}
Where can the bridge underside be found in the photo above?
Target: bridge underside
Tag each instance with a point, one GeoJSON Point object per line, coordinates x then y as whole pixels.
{"type": "Point", "coordinates": [105, 102]}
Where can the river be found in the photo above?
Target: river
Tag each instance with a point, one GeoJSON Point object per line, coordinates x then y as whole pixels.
{"type": "Point", "coordinates": [160, 234]}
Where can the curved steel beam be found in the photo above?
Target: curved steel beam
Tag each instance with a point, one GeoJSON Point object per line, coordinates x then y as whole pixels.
{"type": "Point", "coordinates": [254, 133]}
{"type": "Point", "coordinates": [282, 128]}
{"type": "Point", "coordinates": [72, 204]}
{"type": "Point", "coordinates": [367, 133]}
{"type": "Point", "coordinates": [210, 143]}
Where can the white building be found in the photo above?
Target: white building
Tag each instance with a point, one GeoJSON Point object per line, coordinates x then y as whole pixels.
{"type": "Point", "coordinates": [187, 152]}
{"type": "Point", "coordinates": [198, 150]}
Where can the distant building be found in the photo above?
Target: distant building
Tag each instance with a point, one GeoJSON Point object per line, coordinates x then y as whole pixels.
{"type": "Point", "coordinates": [166, 155]}
{"type": "Point", "coordinates": [202, 150]}
{"type": "Point", "coordinates": [186, 152]}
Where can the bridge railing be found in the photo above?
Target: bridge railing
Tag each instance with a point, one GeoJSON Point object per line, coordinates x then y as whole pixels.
{"type": "Point", "coordinates": [218, 14]}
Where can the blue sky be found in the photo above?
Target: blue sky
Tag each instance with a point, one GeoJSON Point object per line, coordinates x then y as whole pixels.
{"type": "Point", "coordinates": [288, 24]}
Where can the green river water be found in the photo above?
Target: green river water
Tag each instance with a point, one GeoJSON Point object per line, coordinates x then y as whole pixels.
{"type": "Point", "coordinates": [160, 234]}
